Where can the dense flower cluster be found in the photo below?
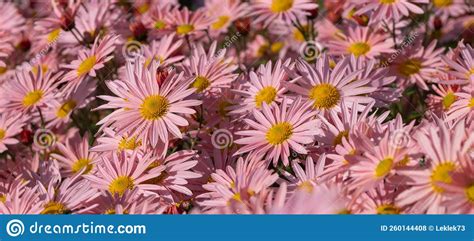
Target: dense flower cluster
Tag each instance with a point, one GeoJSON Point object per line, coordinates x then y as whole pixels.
{"type": "Point", "coordinates": [229, 106]}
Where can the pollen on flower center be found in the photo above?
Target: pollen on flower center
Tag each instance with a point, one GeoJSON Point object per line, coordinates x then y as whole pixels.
{"type": "Point", "coordinates": [201, 83]}
{"type": "Point", "coordinates": [448, 100]}
{"type": "Point", "coordinates": [120, 184]}
{"type": "Point", "coordinates": [442, 173]}
{"type": "Point", "coordinates": [387, 1]}
{"type": "Point", "coordinates": [80, 164]}
{"type": "Point", "coordinates": [129, 143]}
{"type": "Point", "coordinates": [160, 24]}
{"type": "Point", "coordinates": [470, 193]}
{"type": "Point", "coordinates": [384, 167]}
{"type": "Point", "coordinates": [279, 133]}
{"type": "Point", "coordinates": [442, 3]}
{"type": "Point", "coordinates": [66, 108]}
{"type": "Point", "coordinates": [55, 208]}
{"type": "Point", "coordinates": [184, 29]}
{"type": "Point", "coordinates": [409, 67]}
{"type": "Point", "coordinates": [221, 22]}
{"type": "Point", "coordinates": [325, 96]}
{"type": "Point", "coordinates": [306, 186]}
{"type": "Point", "coordinates": [266, 95]}
{"type": "Point", "coordinates": [388, 209]}
{"type": "Point", "coordinates": [359, 48]}
{"type": "Point", "coordinates": [154, 107]}
{"type": "Point", "coordinates": [471, 103]}
{"type": "Point", "coordinates": [2, 134]}
{"type": "Point", "coordinates": [279, 6]}
{"type": "Point", "coordinates": [32, 98]}
{"type": "Point", "coordinates": [86, 65]}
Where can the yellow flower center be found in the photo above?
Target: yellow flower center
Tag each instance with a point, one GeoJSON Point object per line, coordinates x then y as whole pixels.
{"type": "Point", "coordinates": [306, 186]}
{"type": "Point", "coordinates": [221, 22]}
{"type": "Point", "coordinates": [66, 108]}
{"type": "Point", "coordinates": [448, 100]}
{"type": "Point", "coordinates": [384, 167]}
{"type": "Point", "coordinates": [80, 164]}
{"type": "Point", "coordinates": [3, 70]}
{"type": "Point", "coordinates": [442, 3]}
{"type": "Point", "coordinates": [160, 24]}
{"type": "Point", "coordinates": [201, 83]}
{"type": "Point", "coordinates": [120, 184]}
{"type": "Point", "coordinates": [3, 133]}
{"type": "Point", "coordinates": [154, 107]}
{"type": "Point", "coordinates": [3, 198]}
{"type": "Point", "coordinates": [409, 67]}
{"type": "Point", "coordinates": [279, 6]}
{"type": "Point", "coordinates": [298, 35]}
{"type": "Point", "coordinates": [129, 143]}
{"type": "Point", "coordinates": [32, 98]}
{"type": "Point", "coordinates": [55, 208]}
{"type": "Point", "coordinates": [471, 103]}
{"type": "Point", "coordinates": [442, 173]}
{"type": "Point", "coordinates": [222, 108]}
{"type": "Point", "coordinates": [325, 96]}
{"type": "Point", "coordinates": [237, 197]}
{"type": "Point", "coordinates": [279, 133]}
{"type": "Point", "coordinates": [387, 1]}
{"type": "Point", "coordinates": [470, 193]}
{"type": "Point", "coordinates": [266, 95]}
{"type": "Point", "coordinates": [143, 8]}
{"type": "Point", "coordinates": [277, 46]}
{"type": "Point", "coordinates": [86, 65]}
{"type": "Point", "coordinates": [338, 138]}
{"type": "Point", "coordinates": [262, 49]}
{"type": "Point", "coordinates": [359, 48]}
{"type": "Point", "coordinates": [388, 209]}
{"type": "Point", "coordinates": [53, 36]}
{"type": "Point", "coordinates": [44, 69]}
{"type": "Point", "coordinates": [184, 29]}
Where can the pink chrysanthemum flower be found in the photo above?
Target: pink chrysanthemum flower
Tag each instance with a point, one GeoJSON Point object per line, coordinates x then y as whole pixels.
{"type": "Point", "coordinates": [11, 21]}
{"type": "Point", "coordinates": [192, 23]}
{"type": "Point", "coordinates": [144, 108]}
{"type": "Point", "coordinates": [389, 10]}
{"type": "Point", "coordinates": [460, 192]}
{"type": "Point", "coordinates": [131, 202]}
{"type": "Point", "coordinates": [418, 67]}
{"type": "Point", "coordinates": [362, 42]}
{"type": "Point", "coordinates": [156, 19]}
{"type": "Point", "coordinates": [377, 163]}
{"type": "Point", "coordinates": [72, 196]}
{"type": "Point", "coordinates": [264, 87]}
{"type": "Point", "coordinates": [28, 91]}
{"type": "Point", "coordinates": [75, 157]}
{"type": "Point", "coordinates": [276, 129]}
{"type": "Point", "coordinates": [308, 178]}
{"type": "Point", "coordinates": [325, 87]}
{"type": "Point", "coordinates": [225, 13]}
{"type": "Point", "coordinates": [163, 50]}
{"type": "Point", "coordinates": [380, 200]}
{"type": "Point", "coordinates": [61, 109]}
{"type": "Point", "coordinates": [94, 17]}
{"type": "Point", "coordinates": [89, 61]}
{"type": "Point", "coordinates": [462, 108]}
{"type": "Point", "coordinates": [249, 178]}
{"type": "Point", "coordinates": [443, 98]}
{"type": "Point", "coordinates": [122, 172]}
{"type": "Point", "coordinates": [173, 179]}
{"type": "Point", "coordinates": [441, 147]}
{"type": "Point", "coordinates": [287, 11]}
{"type": "Point", "coordinates": [450, 8]}
{"type": "Point", "coordinates": [463, 66]}
{"type": "Point", "coordinates": [21, 199]}
{"type": "Point", "coordinates": [111, 142]}
{"type": "Point", "coordinates": [211, 70]}
{"type": "Point", "coordinates": [10, 126]}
